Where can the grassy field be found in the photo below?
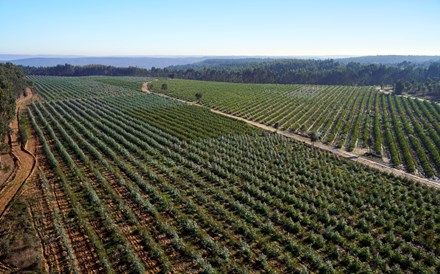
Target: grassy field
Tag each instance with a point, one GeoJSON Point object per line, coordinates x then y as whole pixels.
{"type": "Point", "coordinates": [134, 182]}
{"type": "Point", "coordinates": [402, 130]}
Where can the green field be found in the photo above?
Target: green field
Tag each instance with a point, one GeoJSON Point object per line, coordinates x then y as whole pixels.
{"type": "Point", "coordinates": [62, 88]}
{"type": "Point", "coordinates": [136, 182]}
{"type": "Point", "coordinates": [404, 131]}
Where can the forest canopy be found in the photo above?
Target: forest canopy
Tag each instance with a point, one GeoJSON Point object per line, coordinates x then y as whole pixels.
{"type": "Point", "coordinates": [11, 86]}
{"type": "Point", "coordinates": [415, 78]}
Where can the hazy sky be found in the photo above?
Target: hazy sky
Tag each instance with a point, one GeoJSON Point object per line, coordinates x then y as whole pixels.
{"type": "Point", "coordinates": [237, 27]}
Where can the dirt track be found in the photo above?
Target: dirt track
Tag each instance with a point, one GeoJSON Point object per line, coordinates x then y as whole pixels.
{"type": "Point", "coordinates": [26, 161]}
{"type": "Point", "coordinates": [341, 153]}
{"type": "Point", "coordinates": [145, 88]}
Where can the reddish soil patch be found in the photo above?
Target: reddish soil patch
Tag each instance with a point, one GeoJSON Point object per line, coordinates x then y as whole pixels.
{"type": "Point", "coordinates": [26, 161]}
{"type": "Point", "coordinates": [6, 161]}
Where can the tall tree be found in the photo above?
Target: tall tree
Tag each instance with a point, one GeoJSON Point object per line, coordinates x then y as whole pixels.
{"type": "Point", "coordinates": [11, 86]}
{"type": "Point", "coordinates": [399, 87]}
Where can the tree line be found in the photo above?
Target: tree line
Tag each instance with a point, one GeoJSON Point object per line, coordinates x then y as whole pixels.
{"type": "Point", "coordinates": [12, 85]}
{"type": "Point", "coordinates": [412, 78]}
{"type": "Point", "coordinates": [70, 70]}
{"type": "Point", "coordinates": [415, 79]}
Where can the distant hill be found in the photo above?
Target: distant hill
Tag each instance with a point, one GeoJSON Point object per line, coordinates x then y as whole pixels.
{"type": "Point", "coordinates": [9, 57]}
{"type": "Point", "coordinates": [199, 62]}
{"type": "Point", "coordinates": [391, 59]}
{"type": "Point", "coordinates": [141, 62]}
{"type": "Point", "coordinates": [226, 63]}
{"type": "Point", "coordinates": [138, 61]}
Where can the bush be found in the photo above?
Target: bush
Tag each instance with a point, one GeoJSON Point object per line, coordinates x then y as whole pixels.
{"type": "Point", "coordinates": [366, 240]}
{"type": "Point", "coordinates": [355, 266]}
{"type": "Point", "coordinates": [327, 268]}
{"type": "Point", "coordinates": [314, 137]}
{"type": "Point", "coordinates": [4, 148]}
{"type": "Point", "coordinates": [5, 248]}
{"type": "Point", "coordinates": [364, 254]}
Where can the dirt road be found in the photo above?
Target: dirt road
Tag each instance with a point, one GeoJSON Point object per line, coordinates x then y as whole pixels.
{"type": "Point", "coordinates": [145, 88]}
{"type": "Point", "coordinates": [26, 161]}
{"type": "Point", "coordinates": [341, 153]}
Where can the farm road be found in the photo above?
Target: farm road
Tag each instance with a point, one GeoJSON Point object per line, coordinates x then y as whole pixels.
{"type": "Point", "coordinates": [26, 161]}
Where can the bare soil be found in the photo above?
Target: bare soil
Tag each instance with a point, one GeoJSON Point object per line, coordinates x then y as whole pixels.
{"type": "Point", "coordinates": [360, 150]}
{"type": "Point", "coordinates": [145, 88]}
{"type": "Point", "coordinates": [383, 90]}
{"type": "Point", "coordinates": [6, 160]}
{"type": "Point", "coordinates": [18, 231]}
{"type": "Point", "coordinates": [26, 161]}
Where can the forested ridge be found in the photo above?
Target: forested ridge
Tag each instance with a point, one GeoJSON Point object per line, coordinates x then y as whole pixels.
{"type": "Point", "coordinates": [411, 78]}
{"type": "Point", "coordinates": [414, 78]}
{"type": "Point", "coordinates": [11, 85]}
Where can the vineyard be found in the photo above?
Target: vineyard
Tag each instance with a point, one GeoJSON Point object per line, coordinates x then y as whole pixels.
{"type": "Point", "coordinates": [402, 131]}
{"type": "Point", "coordinates": [134, 182]}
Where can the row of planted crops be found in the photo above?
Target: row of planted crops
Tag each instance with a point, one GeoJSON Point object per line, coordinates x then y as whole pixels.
{"type": "Point", "coordinates": [146, 183]}
{"type": "Point", "coordinates": [402, 131]}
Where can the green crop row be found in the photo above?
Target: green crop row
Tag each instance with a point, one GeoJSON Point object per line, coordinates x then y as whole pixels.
{"type": "Point", "coordinates": [341, 116]}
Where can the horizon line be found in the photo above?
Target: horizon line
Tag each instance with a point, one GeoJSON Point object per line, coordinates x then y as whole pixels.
{"type": "Point", "coordinates": [208, 55]}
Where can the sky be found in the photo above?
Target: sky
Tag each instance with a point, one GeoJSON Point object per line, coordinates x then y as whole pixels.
{"type": "Point", "coordinates": [211, 27]}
